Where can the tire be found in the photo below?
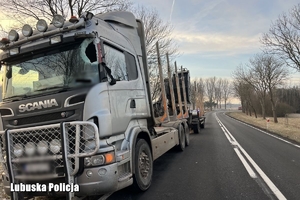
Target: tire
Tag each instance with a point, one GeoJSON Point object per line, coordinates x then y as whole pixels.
{"type": "Point", "coordinates": [202, 125]}
{"type": "Point", "coordinates": [181, 137]}
{"type": "Point", "coordinates": [143, 164]}
{"type": "Point", "coordinates": [187, 135]}
{"type": "Point", "coordinates": [196, 128]}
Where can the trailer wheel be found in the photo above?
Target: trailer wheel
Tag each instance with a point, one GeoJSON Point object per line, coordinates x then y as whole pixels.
{"type": "Point", "coordinates": [196, 128]}
{"type": "Point", "coordinates": [143, 166]}
{"type": "Point", "coordinates": [181, 135]}
{"type": "Point", "coordinates": [187, 135]}
{"type": "Point", "coordinates": [202, 125]}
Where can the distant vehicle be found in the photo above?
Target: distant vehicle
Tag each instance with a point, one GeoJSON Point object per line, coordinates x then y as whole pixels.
{"type": "Point", "coordinates": [240, 108]}
{"type": "Point", "coordinates": [198, 120]}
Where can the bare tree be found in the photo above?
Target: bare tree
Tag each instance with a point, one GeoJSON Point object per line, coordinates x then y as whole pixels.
{"type": "Point", "coordinates": [197, 94]}
{"type": "Point", "coordinates": [247, 95]}
{"type": "Point", "coordinates": [265, 74]}
{"type": "Point", "coordinates": [283, 38]}
{"type": "Point", "coordinates": [210, 85]}
{"type": "Point", "coordinates": [156, 30]}
{"type": "Point", "coordinates": [218, 92]}
{"type": "Point", "coordinates": [275, 74]}
{"type": "Point", "coordinates": [244, 73]}
{"type": "Point", "coordinates": [226, 90]}
{"type": "Point", "coordinates": [21, 10]}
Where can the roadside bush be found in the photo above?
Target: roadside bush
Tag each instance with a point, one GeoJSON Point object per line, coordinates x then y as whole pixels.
{"type": "Point", "coordinates": [283, 108]}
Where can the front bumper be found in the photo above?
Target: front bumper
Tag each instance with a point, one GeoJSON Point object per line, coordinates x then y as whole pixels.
{"type": "Point", "coordinates": [78, 139]}
{"type": "Point", "coordinates": [104, 179]}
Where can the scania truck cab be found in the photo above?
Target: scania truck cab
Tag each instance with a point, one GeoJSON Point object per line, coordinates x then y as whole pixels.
{"type": "Point", "coordinates": [77, 109]}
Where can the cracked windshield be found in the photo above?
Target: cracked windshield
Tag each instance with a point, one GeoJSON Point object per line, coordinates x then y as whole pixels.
{"type": "Point", "coordinates": [52, 70]}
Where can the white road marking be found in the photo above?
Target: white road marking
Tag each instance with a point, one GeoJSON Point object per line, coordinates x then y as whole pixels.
{"type": "Point", "coordinates": [252, 174]}
{"type": "Point", "coordinates": [274, 136]}
{"type": "Point", "coordinates": [246, 165]}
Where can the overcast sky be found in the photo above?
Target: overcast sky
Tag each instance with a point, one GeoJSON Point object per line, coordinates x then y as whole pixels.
{"type": "Point", "coordinates": [215, 36]}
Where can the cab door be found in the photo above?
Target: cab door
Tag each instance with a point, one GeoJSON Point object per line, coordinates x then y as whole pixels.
{"type": "Point", "coordinates": [127, 95]}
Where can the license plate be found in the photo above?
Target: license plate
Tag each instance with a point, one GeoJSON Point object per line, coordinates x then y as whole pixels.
{"type": "Point", "coordinates": [37, 167]}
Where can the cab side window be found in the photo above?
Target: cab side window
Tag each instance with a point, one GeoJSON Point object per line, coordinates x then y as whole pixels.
{"type": "Point", "coordinates": [131, 67]}
{"type": "Point", "coordinates": [122, 64]}
{"type": "Point", "coordinates": [116, 62]}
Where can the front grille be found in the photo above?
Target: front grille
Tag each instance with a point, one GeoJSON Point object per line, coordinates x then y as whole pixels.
{"type": "Point", "coordinates": [3, 166]}
{"type": "Point", "coordinates": [33, 157]}
{"type": "Point", "coordinates": [41, 118]}
{"type": "Point", "coordinates": [34, 146]}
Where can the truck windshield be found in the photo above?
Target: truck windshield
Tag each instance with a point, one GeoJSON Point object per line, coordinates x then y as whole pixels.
{"type": "Point", "coordinates": [65, 67]}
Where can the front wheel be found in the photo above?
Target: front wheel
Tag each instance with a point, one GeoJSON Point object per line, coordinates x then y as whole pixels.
{"type": "Point", "coordinates": [143, 163]}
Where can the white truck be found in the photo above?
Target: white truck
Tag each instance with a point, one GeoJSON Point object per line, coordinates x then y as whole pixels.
{"type": "Point", "coordinates": [77, 118]}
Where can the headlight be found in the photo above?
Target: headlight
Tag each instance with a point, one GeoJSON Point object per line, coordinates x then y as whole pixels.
{"type": "Point", "coordinates": [41, 25]}
{"type": "Point", "coordinates": [103, 159]}
{"type": "Point", "coordinates": [30, 148]}
{"type": "Point", "coordinates": [42, 147]}
{"type": "Point", "coordinates": [55, 146]}
{"type": "Point", "coordinates": [97, 160]}
{"type": "Point", "coordinates": [18, 150]}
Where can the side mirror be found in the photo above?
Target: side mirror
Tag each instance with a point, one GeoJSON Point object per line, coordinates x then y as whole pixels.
{"type": "Point", "coordinates": [108, 71]}
{"type": "Point", "coordinates": [9, 73]}
{"type": "Point", "coordinates": [23, 71]}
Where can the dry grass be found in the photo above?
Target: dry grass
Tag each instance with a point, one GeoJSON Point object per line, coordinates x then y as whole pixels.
{"type": "Point", "coordinates": [286, 127]}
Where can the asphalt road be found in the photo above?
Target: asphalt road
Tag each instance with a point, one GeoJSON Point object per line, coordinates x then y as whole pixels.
{"type": "Point", "coordinates": [227, 160]}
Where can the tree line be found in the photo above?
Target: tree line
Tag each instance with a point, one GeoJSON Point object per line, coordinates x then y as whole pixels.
{"type": "Point", "coordinates": [209, 93]}
{"type": "Point", "coordinates": [260, 83]}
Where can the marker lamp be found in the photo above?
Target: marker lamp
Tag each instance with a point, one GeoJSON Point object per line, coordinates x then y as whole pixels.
{"type": "Point", "coordinates": [13, 35]}
{"type": "Point", "coordinates": [27, 30]}
{"type": "Point", "coordinates": [41, 25]}
{"type": "Point", "coordinates": [14, 51]}
{"type": "Point", "coordinates": [58, 21]}
{"type": "Point", "coordinates": [56, 39]}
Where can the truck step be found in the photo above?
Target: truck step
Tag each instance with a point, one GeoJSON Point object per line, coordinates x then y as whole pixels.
{"type": "Point", "coordinates": [125, 176]}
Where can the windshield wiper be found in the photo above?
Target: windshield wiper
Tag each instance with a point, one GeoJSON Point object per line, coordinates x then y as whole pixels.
{"type": "Point", "coordinates": [54, 87]}
{"type": "Point", "coordinates": [16, 98]}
